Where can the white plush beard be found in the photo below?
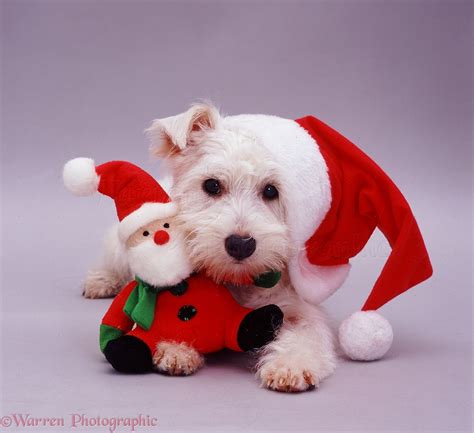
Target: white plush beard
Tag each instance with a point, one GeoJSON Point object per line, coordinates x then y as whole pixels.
{"type": "Point", "coordinates": [160, 265]}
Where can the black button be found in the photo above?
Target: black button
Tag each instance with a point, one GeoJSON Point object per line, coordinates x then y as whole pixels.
{"type": "Point", "coordinates": [187, 312]}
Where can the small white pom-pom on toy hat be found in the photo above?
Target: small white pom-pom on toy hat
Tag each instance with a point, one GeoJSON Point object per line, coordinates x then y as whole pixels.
{"type": "Point", "coordinates": [80, 176]}
{"type": "Point", "coordinates": [139, 198]}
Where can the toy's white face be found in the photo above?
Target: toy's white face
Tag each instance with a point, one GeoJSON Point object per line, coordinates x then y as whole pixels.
{"type": "Point", "coordinates": [157, 255]}
{"type": "Point", "coordinates": [158, 231]}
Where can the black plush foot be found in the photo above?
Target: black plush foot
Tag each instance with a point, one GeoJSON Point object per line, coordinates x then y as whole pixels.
{"type": "Point", "coordinates": [259, 327]}
{"type": "Point", "coordinates": [129, 354]}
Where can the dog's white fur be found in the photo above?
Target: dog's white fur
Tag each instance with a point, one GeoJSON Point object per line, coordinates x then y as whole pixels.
{"type": "Point", "coordinates": [201, 144]}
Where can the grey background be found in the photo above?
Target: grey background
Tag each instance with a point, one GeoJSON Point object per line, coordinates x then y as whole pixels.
{"type": "Point", "coordinates": [86, 77]}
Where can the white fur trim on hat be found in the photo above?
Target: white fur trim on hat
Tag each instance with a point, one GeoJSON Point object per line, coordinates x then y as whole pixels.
{"type": "Point", "coordinates": [80, 177]}
{"type": "Point", "coordinates": [316, 283]}
{"type": "Point", "coordinates": [365, 336]}
{"type": "Point", "coordinates": [144, 215]}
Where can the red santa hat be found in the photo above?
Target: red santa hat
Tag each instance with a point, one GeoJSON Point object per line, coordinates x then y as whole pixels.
{"type": "Point", "coordinates": [363, 198]}
{"type": "Point", "coordinates": [139, 198]}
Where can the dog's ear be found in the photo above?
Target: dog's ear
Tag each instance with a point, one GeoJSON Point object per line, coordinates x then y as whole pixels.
{"type": "Point", "coordinates": [172, 134]}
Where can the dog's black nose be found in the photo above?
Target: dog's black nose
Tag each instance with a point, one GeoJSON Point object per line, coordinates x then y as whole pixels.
{"type": "Point", "coordinates": [240, 247]}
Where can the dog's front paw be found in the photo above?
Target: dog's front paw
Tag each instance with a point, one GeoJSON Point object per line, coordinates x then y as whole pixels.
{"type": "Point", "coordinates": [177, 359]}
{"type": "Point", "coordinates": [101, 284]}
{"type": "Point", "coordinates": [286, 375]}
{"type": "Point", "coordinates": [294, 368]}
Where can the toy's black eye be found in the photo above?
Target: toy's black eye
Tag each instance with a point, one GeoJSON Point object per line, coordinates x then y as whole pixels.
{"type": "Point", "coordinates": [270, 192]}
{"type": "Point", "coordinates": [166, 225]}
{"type": "Point", "coordinates": [146, 233]}
{"type": "Point", "coordinates": [212, 186]}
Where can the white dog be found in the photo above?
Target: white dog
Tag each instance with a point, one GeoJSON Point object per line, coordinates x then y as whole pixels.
{"type": "Point", "coordinates": [232, 201]}
{"type": "Point", "coordinates": [259, 193]}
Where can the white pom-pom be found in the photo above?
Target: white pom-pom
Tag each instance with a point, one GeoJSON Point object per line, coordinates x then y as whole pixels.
{"type": "Point", "coordinates": [80, 177]}
{"type": "Point", "coordinates": [365, 336]}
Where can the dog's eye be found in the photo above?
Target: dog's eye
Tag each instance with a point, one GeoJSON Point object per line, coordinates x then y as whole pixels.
{"type": "Point", "coordinates": [166, 225]}
{"type": "Point", "coordinates": [212, 186]}
{"type": "Point", "coordinates": [146, 233]}
{"type": "Point", "coordinates": [270, 192]}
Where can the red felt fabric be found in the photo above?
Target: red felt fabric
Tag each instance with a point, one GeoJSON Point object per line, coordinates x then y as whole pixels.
{"type": "Point", "coordinates": [364, 198]}
{"type": "Point", "coordinates": [129, 186]}
{"type": "Point", "coordinates": [214, 327]}
{"type": "Point", "coordinates": [115, 316]}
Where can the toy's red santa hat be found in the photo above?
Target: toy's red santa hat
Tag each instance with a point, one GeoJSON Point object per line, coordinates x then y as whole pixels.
{"type": "Point", "coordinates": [139, 198]}
{"type": "Point", "coordinates": [359, 198]}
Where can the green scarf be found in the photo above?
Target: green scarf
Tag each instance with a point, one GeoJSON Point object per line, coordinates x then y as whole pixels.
{"type": "Point", "coordinates": [140, 305]}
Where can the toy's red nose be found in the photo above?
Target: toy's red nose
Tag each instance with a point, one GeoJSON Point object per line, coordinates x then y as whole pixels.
{"type": "Point", "coordinates": [161, 237]}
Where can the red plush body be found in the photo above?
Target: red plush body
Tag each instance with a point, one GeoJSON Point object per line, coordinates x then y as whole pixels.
{"type": "Point", "coordinates": [213, 327]}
